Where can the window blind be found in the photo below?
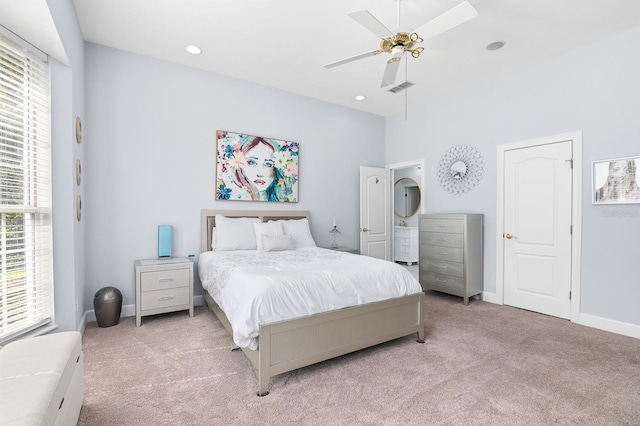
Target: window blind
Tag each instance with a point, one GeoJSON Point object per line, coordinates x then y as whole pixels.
{"type": "Point", "coordinates": [26, 271]}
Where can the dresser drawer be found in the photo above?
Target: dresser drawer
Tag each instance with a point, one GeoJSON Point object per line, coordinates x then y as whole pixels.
{"type": "Point", "coordinates": [402, 232]}
{"type": "Point", "coordinates": [440, 266]}
{"type": "Point", "coordinates": [454, 226]}
{"type": "Point", "coordinates": [441, 239]}
{"type": "Point", "coordinates": [406, 249]}
{"type": "Point", "coordinates": [158, 280]}
{"type": "Point", "coordinates": [403, 257]}
{"type": "Point", "coordinates": [440, 281]}
{"type": "Point", "coordinates": [450, 254]}
{"type": "Point", "coordinates": [164, 298]}
{"type": "Point", "coordinates": [403, 241]}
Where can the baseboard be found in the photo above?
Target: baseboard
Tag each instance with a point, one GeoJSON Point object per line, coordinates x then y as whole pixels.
{"type": "Point", "coordinates": [491, 298]}
{"type": "Point", "coordinates": [618, 327]}
{"type": "Point", "coordinates": [127, 311]}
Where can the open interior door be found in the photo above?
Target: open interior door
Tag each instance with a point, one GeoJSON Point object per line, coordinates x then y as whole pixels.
{"type": "Point", "coordinates": [375, 212]}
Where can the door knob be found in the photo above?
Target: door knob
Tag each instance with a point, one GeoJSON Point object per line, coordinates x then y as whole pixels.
{"type": "Point", "coordinates": [509, 236]}
{"type": "Point", "coordinates": [364, 229]}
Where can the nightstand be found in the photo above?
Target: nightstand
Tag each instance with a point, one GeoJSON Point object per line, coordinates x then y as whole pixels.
{"type": "Point", "coordinates": [163, 285]}
{"type": "Point", "coordinates": [343, 248]}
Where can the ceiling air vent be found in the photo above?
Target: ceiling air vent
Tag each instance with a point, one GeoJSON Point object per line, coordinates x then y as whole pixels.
{"type": "Point", "coordinates": [402, 86]}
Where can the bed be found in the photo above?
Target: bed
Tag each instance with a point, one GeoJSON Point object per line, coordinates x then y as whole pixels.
{"type": "Point", "coordinates": [289, 344]}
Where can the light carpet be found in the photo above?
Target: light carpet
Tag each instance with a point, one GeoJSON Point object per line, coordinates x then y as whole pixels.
{"type": "Point", "coordinates": [482, 364]}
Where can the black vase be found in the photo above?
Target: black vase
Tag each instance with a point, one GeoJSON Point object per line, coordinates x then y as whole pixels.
{"type": "Point", "coordinates": [107, 304]}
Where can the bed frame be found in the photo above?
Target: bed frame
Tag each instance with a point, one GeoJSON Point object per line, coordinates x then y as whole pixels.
{"type": "Point", "coordinates": [292, 344]}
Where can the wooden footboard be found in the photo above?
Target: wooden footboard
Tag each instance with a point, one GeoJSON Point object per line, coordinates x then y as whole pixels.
{"type": "Point", "coordinates": [292, 344]}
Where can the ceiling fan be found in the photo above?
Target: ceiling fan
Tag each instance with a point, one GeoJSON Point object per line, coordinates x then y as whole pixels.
{"type": "Point", "coordinates": [397, 44]}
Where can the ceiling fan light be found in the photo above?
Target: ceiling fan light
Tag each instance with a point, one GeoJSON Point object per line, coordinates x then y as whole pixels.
{"type": "Point", "coordinates": [397, 51]}
{"type": "Point", "coordinates": [360, 98]}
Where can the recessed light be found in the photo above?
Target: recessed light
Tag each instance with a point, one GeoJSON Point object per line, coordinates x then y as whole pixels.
{"type": "Point", "coordinates": [360, 98]}
{"type": "Point", "coordinates": [495, 45]}
{"type": "Point", "coordinates": [194, 50]}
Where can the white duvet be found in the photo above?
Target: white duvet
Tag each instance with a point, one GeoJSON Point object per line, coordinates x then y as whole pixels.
{"type": "Point", "coordinates": [256, 287]}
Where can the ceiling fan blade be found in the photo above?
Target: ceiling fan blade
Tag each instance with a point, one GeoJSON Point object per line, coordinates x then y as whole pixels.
{"type": "Point", "coordinates": [448, 20]}
{"type": "Point", "coordinates": [351, 59]}
{"type": "Point", "coordinates": [367, 20]}
{"type": "Point", "coordinates": [390, 72]}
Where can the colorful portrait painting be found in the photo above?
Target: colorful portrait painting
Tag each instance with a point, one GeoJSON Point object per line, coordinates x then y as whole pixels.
{"type": "Point", "coordinates": [255, 168]}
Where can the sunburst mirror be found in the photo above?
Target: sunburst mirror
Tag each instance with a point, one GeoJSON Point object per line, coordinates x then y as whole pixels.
{"type": "Point", "coordinates": [460, 169]}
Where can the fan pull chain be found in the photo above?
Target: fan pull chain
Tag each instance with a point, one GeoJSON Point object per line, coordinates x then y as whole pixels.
{"type": "Point", "coordinates": [406, 80]}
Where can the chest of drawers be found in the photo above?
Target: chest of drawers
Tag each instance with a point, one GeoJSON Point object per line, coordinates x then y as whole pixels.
{"type": "Point", "coordinates": [451, 253]}
{"type": "Point", "coordinates": [163, 286]}
{"type": "Point", "coordinates": [405, 244]}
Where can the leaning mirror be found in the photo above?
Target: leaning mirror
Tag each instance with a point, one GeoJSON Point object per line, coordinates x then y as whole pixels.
{"type": "Point", "coordinates": [406, 197]}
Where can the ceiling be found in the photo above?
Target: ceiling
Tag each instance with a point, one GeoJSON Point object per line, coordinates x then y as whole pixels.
{"type": "Point", "coordinates": [285, 43]}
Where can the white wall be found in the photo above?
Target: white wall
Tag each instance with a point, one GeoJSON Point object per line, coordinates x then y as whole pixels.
{"type": "Point", "coordinates": [150, 131]}
{"type": "Point", "coordinates": [594, 89]}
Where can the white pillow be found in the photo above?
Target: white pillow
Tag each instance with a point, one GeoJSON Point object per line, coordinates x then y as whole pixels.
{"type": "Point", "coordinates": [277, 242]}
{"type": "Point", "coordinates": [271, 229]}
{"type": "Point", "coordinates": [213, 239]}
{"type": "Point", "coordinates": [235, 233]}
{"type": "Point", "coordinates": [299, 231]}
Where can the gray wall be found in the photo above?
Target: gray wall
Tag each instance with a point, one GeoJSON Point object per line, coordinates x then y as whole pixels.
{"type": "Point", "coordinates": [594, 89]}
{"type": "Point", "coordinates": [149, 157]}
{"type": "Point", "coordinates": [150, 131]}
{"type": "Point", "coordinates": [67, 102]}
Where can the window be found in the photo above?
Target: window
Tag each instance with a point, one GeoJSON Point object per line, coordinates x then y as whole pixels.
{"type": "Point", "coordinates": [26, 273]}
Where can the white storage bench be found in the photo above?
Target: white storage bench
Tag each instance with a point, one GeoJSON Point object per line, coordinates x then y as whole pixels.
{"type": "Point", "coordinates": [42, 380]}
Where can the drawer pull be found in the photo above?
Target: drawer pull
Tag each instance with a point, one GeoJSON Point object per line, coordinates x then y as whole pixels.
{"type": "Point", "coordinates": [442, 281]}
{"type": "Point", "coordinates": [163, 298]}
{"type": "Point", "coordinates": [442, 267]}
{"type": "Point", "coordinates": [442, 253]}
{"type": "Point", "coordinates": [441, 239]}
{"type": "Point", "coordinates": [441, 226]}
{"type": "Point", "coordinates": [166, 280]}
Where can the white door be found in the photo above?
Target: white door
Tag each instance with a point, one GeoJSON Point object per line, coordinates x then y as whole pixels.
{"type": "Point", "coordinates": [375, 211]}
{"type": "Point", "coordinates": [537, 228]}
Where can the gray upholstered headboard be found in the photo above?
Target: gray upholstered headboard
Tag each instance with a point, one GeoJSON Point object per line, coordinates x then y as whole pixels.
{"type": "Point", "coordinates": [208, 220]}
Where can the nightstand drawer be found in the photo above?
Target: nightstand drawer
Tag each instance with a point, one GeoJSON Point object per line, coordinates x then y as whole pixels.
{"type": "Point", "coordinates": [164, 298]}
{"type": "Point", "coordinates": [163, 285]}
{"type": "Point", "coordinates": [158, 280]}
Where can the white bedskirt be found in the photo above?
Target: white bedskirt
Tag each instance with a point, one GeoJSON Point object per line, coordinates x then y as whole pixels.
{"type": "Point", "coordinates": [256, 287]}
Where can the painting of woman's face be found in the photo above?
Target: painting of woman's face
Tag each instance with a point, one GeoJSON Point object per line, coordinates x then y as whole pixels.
{"type": "Point", "coordinates": [258, 166]}
{"type": "Point", "coordinates": [619, 170]}
{"type": "Point", "coordinates": [255, 168]}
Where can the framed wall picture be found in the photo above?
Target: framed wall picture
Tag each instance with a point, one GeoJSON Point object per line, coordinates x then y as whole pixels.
{"type": "Point", "coordinates": [256, 168]}
{"type": "Point", "coordinates": [615, 181]}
